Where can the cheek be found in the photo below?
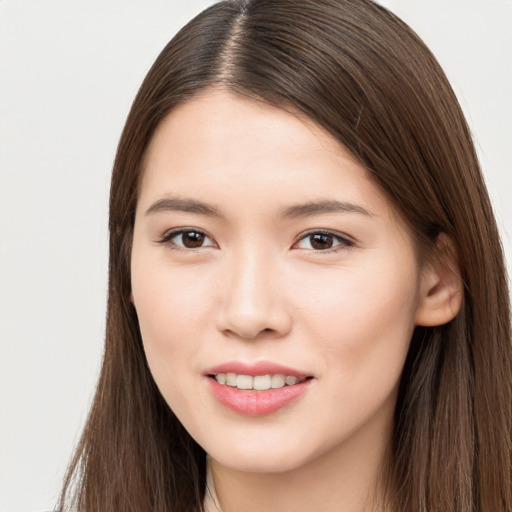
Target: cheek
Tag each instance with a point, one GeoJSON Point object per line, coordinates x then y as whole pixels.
{"type": "Point", "coordinates": [167, 296]}
{"type": "Point", "coordinates": [360, 324]}
{"type": "Point", "coordinates": [363, 319]}
{"type": "Point", "coordinates": [172, 306]}
{"type": "Point", "coordinates": [171, 314]}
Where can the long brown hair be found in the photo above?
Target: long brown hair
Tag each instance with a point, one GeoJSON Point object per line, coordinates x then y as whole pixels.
{"type": "Point", "coordinates": [362, 74]}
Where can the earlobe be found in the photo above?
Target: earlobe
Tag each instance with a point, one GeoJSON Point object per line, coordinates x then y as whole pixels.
{"type": "Point", "coordinates": [131, 298]}
{"type": "Point", "coordinates": [441, 287]}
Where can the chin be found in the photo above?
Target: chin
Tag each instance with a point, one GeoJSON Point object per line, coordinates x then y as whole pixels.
{"type": "Point", "coordinates": [260, 463]}
{"type": "Point", "coordinates": [252, 455]}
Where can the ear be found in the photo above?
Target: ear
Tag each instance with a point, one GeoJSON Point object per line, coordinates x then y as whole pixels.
{"type": "Point", "coordinates": [441, 287]}
{"type": "Point", "coordinates": [131, 298]}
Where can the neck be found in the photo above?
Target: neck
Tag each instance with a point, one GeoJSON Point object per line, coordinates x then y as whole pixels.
{"type": "Point", "coordinates": [345, 479]}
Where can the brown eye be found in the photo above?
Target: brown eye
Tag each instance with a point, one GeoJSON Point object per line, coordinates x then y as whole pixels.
{"type": "Point", "coordinates": [187, 239]}
{"type": "Point", "coordinates": [192, 239]}
{"type": "Point", "coordinates": [323, 241]}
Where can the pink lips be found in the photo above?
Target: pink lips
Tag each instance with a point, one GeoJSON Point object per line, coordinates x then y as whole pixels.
{"type": "Point", "coordinates": [251, 402]}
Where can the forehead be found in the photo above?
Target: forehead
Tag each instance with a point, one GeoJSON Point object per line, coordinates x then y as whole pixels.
{"type": "Point", "coordinates": [240, 149]}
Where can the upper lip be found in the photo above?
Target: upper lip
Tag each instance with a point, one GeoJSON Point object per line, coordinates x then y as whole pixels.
{"type": "Point", "coordinates": [255, 368]}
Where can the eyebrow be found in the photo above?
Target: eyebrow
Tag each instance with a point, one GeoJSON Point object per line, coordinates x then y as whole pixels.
{"type": "Point", "coordinates": [323, 207]}
{"type": "Point", "coordinates": [182, 205]}
{"type": "Point", "coordinates": [299, 210]}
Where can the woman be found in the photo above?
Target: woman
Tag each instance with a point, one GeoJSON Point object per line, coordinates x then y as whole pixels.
{"type": "Point", "coordinates": [306, 280]}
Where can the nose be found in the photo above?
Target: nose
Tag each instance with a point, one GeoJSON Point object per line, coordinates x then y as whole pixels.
{"type": "Point", "coordinates": [253, 303]}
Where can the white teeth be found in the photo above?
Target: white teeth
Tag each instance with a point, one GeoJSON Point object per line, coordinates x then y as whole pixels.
{"type": "Point", "coordinates": [278, 381]}
{"type": "Point", "coordinates": [290, 381]}
{"type": "Point", "coordinates": [230, 379]}
{"type": "Point", "coordinates": [259, 382]}
{"type": "Point", "coordinates": [262, 382]}
{"type": "Point", "coordinates": [244, 382]}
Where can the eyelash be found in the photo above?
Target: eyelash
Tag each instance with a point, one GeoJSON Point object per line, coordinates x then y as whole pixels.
{"type": "Point", "coordinates": [344, 242]}
{"type": "Point", "coordinates": [168, 237]}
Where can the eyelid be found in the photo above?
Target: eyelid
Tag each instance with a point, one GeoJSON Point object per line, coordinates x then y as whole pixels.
{"type": "Point", "coordinates": [345, 240]}
{"type": "Point", "coordinates": [166, 238]}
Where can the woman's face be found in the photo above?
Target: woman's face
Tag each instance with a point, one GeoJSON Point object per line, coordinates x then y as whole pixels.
{"type": "Point", "coordinates": [264, 257]}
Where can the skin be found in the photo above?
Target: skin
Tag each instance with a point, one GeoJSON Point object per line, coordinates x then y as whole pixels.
{"type": "Point", "coordinates": [257, 290]}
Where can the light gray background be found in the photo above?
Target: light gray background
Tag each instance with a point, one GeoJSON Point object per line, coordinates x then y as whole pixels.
{"type": "Point", "coordinates": [68, 73]}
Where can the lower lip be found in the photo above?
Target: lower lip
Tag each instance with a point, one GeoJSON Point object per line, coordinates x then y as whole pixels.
{"type": "Point", "coordinates": [256, 403]}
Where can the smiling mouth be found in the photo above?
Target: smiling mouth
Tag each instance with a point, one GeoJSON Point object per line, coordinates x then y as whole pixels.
{"type": "Point", "coordinates": [257, 382]}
